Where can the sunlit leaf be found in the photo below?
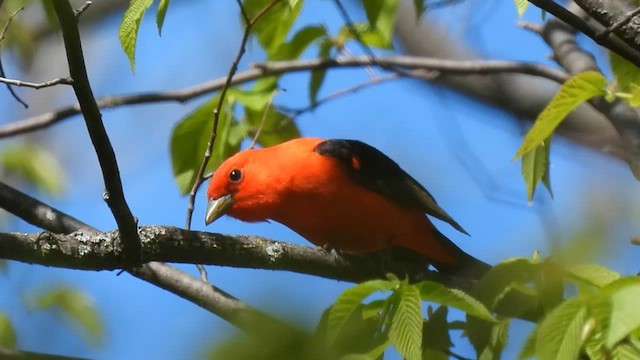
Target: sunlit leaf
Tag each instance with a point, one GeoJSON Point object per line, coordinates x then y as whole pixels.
{"type": "Point", "coordinates": [624, 317]}
{"type": "Point", "coordinates": [317, 76]}
{"type": "Point", "coordinates": [189, 142]}
{"type": "Point", "coordinates": [349, 301]}
{"type": "Point", "coordinates": [521, 6]}
{"type": "Point", "coordinates": [76, 306]}
{"type": "Point", "coordinates": [276, 127]}
{"type": "Point", "coordinates": [625, 73]}
{"type": "Point", "coordinates": [128, 33]}
{"type": "Point", "coordinates": [575, 91]}
{"type": "Point", "coordinates": [34, 165]}
{"type": "Point", "coordinates": [369, 35]}
{"type": "Point", "coordinates": [560, 335]}
{"type": "Point", "coordinates": [300, 42]}
{"type": "Point", "coordinates": [535, 168]}
{"type": "Point", "coordinates": [592, 274]}
{"type": "Point", "coordinates": [498, 336]}
{"type": "Point", "coordinates": [7, 333]}
{"type": "Point", "coordinates": [528, 350]}
{"type": "Point", "coordinates": [161, 13]}
{"type": "Point", "coordinates": [406, 326]}
{"type": "Point", "coordinates": [440, 294]}
{"type": "Point", "coordinates": [272, 28]}
{"type": "Point", "coordinates": [381, 15]}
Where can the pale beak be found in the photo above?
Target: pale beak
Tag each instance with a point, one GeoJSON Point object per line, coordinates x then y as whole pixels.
{"type": "Point", "coordinates": [217, 208]}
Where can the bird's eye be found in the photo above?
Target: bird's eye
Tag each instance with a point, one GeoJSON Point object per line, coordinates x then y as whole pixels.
{"type": "Point", "coordinates": [235, 176]}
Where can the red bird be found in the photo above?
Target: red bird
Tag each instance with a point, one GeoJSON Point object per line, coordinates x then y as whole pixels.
{"type": "Point", "coordinates": [339, 193]}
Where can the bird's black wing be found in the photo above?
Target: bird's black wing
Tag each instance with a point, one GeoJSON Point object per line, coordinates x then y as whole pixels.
{"type": "Point", "coordinates": [372, 169]}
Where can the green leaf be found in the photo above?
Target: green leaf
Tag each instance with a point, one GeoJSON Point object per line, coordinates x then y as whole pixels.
{"type": "Point", "coordinates": [521, 6]}
{"type": "Point", "coordinates": [161, 13]}
{"type": "Point", "coordinates": [406, 327]}
{"type": "Point", "coordinates": [438, 293]}
{"type": "Point", "coordinates": [300, 42]}
{"type": "Point", "coordinates": [497, 341]}
{"type": "Point", "coordinates": [128, 33]}
{"type": "Point", "coordinates": [349, 301]}
{"type": "Point", "coordinates": [272, 28]}
{"type": "Point", "coordinates": [189, 142]}
{"type": "Point", "coordinates": [7, 333]}
{"type": "Point", "coordinates": [592, 274]}
{"type": "Point", "coordinates": [535, 168]}
{"type": "Point", "coordinates": [625, 73]}
{"type": "Point", "coordinates": [575, 91]}
{"type": "Point", "coordinates": [76, 306]}
{"type": "Point", "coordinates": [504, 275]}
{"type": "Point", "coordinates": [276, 128]}
{"type": "Point", "coordinates": [560, 335]}
{"type": "Point", "coordinates": [34, 165]}
{"type": "Point", "coordinates": [528, 350]}
{"type": "Point", "coordinates": [381, 15]}
{"type": "Point", "coordinates": [317, 76]}
{"type": "Point", "coordinates": [420, 7]}
{"type": "Point", "coordinates": [369, 36]}
{"type": "Point", "coordinates": [436, 339]}
{"type": "Point", "coordinates": [624, 318]}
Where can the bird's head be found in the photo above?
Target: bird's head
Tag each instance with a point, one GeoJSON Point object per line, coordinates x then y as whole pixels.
{"type": "Point", "coordinates": [254, 184]}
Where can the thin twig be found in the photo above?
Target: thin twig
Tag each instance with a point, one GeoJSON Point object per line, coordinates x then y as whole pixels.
{"type": "Point", "coordinates": [54, 82]}
{"type": "Point", "coordinates": [2, 73]}
{"type": "Point", "coordinates": [82, 8]}
{"type": "Point", "coordinates": [338, 94]}
{"type": "Point", "coordinates": [262, 120]}
{"type": "Point", "coordinates": [114, 194]}
{"type": "Point", "coordinates": [447, 67]}
{"type": "Point", "coordinates": [200, 179]}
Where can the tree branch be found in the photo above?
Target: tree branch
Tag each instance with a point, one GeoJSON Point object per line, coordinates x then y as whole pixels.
{"type": "Point", "coordinates": [619, 17]}
{"type": "Point", "coordinates": [630, 53]}
{"type": "Point", "coordinates": [63, 81]}
{"type": "Point", "coordinates": [444, 66]}
{"type": "Point", "coordinates": [171, 279]}
{"type": "Point", "coordinates": [114, 195]}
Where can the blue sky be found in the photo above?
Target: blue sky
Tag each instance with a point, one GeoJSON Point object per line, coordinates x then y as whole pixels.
{"type": "Point", "coordinates": [460, 150]}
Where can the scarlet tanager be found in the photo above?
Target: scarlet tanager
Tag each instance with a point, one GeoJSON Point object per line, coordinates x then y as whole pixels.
{"type": "Point", "coordinates": [344, 194]}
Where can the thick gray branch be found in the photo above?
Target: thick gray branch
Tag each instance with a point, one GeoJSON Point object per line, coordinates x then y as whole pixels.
{"type": "Point", "coordinates": [103, 251]}
{"type": "Point", "coordinates": [611, 13]}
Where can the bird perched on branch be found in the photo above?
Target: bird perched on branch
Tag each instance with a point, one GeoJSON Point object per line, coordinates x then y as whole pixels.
{"type": "Point", "coordinates": [343, 194]}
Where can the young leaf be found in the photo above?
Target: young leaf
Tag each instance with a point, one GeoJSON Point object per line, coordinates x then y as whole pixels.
{"type": "Point", "coordinates": [272, 28]}
{"type": "Point", "coordinates": [521, 6]}
{"type": "Point", "coordinates": [497, 341]}
{"type": "Point", "coordinates": [406, 327]}
{"type": "Point", "coordinates": [189, 142]}
{"type": "Point", "coordinates": [349, 301]}
{"type": "Point", "coordinates": [276, 128]}
{"type": "Point", "coordinates": [300, 42]}
{"type": "Point", "coordinates": [436, 339]}
{"type": "Point", "coordinates": [128, 33]}
{"type": "Point", "coordinates": [76, 306]}
{"type": "Point", "coordinates": [535, 168]}
{"type": "Point", "coordinates": [381, 15]}
{"type": "Point", "coordinates": [34, 165]}
{"type": "Point", "coordinates": [440, 294]}
{"type": "Point", "coordinates": [528, 350]}
{"type": "Point", "coordinates": [625, 73]}
{"type": "Point", "coordinates": [575, 91]}
{"type": "Point", "coordinates": [560, 335]}
{"type": "Point", "coordinates": [161, 13]}
{"type": "Point", "coordinates": [624, 318]}
{"type": "Point", "coordinates": [7, 333]}
{"type": "Point", "coordinates": [592, 274]}
{"type": "Point", "coordinates": [317, 76]}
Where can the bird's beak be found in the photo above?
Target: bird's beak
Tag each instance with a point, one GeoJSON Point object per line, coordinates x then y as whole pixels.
{"type": "Point", "coordinates": [217, 208]}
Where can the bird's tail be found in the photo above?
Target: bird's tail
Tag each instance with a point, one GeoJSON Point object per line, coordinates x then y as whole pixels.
{"type": "Point", "coordinates": [466, 265]}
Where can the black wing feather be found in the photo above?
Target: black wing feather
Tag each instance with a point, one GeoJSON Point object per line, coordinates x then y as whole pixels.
{"type": "Point", "coordinates": [379, 173]}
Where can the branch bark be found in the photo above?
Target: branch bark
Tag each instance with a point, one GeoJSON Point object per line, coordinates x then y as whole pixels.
{"type": "Point", "coordinates": [444, 66]}
{"type": "Point", "coordinates": [114, 195]}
